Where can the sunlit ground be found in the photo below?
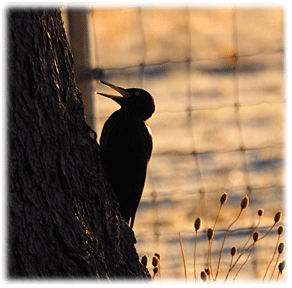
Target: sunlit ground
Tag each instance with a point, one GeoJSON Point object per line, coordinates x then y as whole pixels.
{"type": "Point", "coordinates": [205, 114]}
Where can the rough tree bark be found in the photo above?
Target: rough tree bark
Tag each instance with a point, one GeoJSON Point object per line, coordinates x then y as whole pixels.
{"type": "Point", "coordinates": [63, 219]}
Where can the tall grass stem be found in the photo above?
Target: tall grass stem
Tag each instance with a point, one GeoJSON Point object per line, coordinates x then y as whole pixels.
{"type": "Point", "coordinates": [183, 256]}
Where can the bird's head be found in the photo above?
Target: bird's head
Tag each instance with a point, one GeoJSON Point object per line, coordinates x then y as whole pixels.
{"type": "Point", "coordinates": [137, 101]}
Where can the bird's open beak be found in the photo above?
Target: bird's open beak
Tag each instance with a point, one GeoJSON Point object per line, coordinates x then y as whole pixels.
{"type": "Point", "coordinates": [120, 90]}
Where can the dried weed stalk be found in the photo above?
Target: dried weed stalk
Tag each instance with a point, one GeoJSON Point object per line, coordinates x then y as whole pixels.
{"type": "Point", "coordinates": [207, 273]}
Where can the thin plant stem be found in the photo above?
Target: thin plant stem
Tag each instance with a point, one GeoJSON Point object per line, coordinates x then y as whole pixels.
{"type": "Point", "coordinates": [272, 257]}
{"type": "Point", "coordinates": [229, 268]}
{"type": "Point", "coordinates": [217, 216]}
{"type": "Point", "coordinates": [224, 243]}
{"type": "Point", "coordinates": [268, 232]}
{"type": "Point", "coordinates": [244, 261]}
{"type": "Point", "coordinates": [275, 266]}
{"type": "Point", "coordinates": [211, 242]}
{"type": "Point", "coordinates": [183, 256]}
{"type": "Point", "coordinates": [209, 259]}
{"type": "Point", "coordinates": [251, 234]}
{"type": "Point", "coordinates": [231, 262]}
{"type": "Point", "coordinates": [211, 271]}
{"type": "Point", "coordinates": [195, 256]}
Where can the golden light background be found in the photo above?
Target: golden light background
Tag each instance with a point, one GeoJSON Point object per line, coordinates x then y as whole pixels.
{"type": "Point", "coordinates": [217, 75]}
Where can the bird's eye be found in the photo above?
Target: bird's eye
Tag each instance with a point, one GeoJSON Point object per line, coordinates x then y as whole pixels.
{"type": "Point", "coordinates": [136, 93]}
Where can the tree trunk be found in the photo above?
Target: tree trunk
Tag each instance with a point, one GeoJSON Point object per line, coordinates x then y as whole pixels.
{"type": "Point", "coordinates": [63, 218]}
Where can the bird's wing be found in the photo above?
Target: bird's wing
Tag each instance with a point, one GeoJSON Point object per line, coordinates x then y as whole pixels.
{"type": "Point", "coordinates": [126, 149]}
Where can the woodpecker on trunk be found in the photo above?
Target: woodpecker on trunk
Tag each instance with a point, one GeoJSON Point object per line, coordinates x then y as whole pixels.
{"type": "Point", "coordinates": [126, 146]}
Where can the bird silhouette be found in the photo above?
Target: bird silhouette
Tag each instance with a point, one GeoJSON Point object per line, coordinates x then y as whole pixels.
{"type": "Point", "coordinates": [126, 146]}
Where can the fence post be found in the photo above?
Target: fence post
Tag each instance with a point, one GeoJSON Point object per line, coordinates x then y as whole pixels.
{"type": "Point", "coordinates": [78, 34]}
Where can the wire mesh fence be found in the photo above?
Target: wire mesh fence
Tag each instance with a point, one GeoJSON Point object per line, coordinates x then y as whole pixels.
{"type": "Point", "coordinates": [217, 77]}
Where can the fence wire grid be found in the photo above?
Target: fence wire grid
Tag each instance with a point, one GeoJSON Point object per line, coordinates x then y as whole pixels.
{"type": "Point", "coordinates": [217, 77]}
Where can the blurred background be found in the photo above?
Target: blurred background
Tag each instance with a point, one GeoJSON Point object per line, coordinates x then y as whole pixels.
{"type": "Point", "coordinates": [217, 75]}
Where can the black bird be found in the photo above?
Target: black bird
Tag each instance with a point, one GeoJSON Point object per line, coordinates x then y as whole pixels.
{"type": "Point", "coordinates": [126, 146]}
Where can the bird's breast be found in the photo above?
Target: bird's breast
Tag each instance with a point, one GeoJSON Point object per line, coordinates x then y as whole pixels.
{"type": "Point", "coordinates": [148, 128]}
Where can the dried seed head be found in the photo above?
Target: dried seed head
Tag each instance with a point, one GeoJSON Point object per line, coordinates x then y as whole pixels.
{"type": "Point", "coordinates": [157, 255]}
{"type": "Point", "coordinates": [207, 271]}
{"type": "Point", "coordinates": [210, 233]}
{"type": "Point", "coordinates": [255, 236]}
{"type": "Point", "coordinates": [203, 276]}
{"type": "Point", "coordinates": [280, 230]}
{"type": "Point", "coordinates": [223, 198]}
{"type": "Point", "coordinates": [155, 270]}
{"type": "Point", "coordinates": [278, 217]}
{"type": "Point", "coordinates": [281, 248]}
{"type": "Point", "coordinates": [281, 266]}
{"type": "Point", "coordinates": [244, 202]}
{"type": "Point", "coordinates": [144, 260]}
{"type": "Point", "coordinates": [198, 223]}
{"type": "Point", "coordinates": [233, 251]}
{"type": "Point", "coordinates": [261, 212]}
{"type": "Point", "coordinates": [155, 261]}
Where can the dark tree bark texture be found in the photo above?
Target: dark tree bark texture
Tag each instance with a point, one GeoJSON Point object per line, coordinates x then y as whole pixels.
{"type": "Point", "coordinates": [63, 218]}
